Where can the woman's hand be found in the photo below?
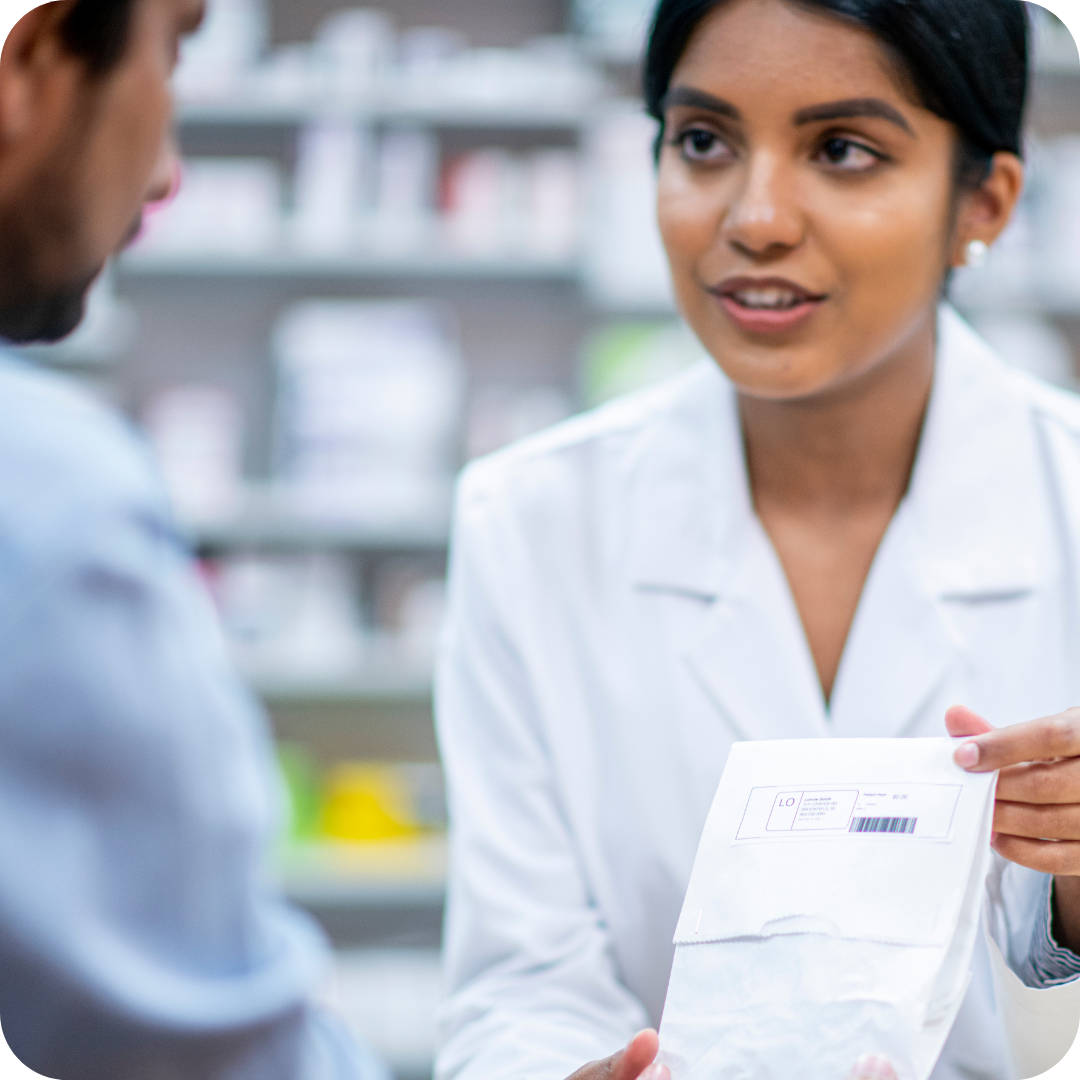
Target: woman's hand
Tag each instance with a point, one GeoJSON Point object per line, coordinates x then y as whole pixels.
{"type": "Point", "coordinates": [1037, 816]}
{"type": "Point", "coordinates": [635, 1062]}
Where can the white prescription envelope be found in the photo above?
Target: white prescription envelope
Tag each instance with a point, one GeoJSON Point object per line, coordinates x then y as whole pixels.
{"type": "Point", "coordinates": [832, 911]}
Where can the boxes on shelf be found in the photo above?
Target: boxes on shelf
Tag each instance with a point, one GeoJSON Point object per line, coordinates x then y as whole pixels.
{"type": "Point", "coordinates": [197, 434]}
{"type": "Point", "coordinates": [625, 264]}
{"type": "Point", "coordinates": [358, 56]}
{"type": "Point", "coordinates": [360, 802]}
{"type": "Point", "coordinates": [498, 202]}
{"type": "Point", "coordinates": [297, 615]}
{"type": "Point", "coordinates": [333, 186]}
{"type": "Point", "coordinates": [217, 62]}
{"type": "Point", "coordinates": [369, 395]}
{"type": "Point", "coordinates": [223, 206]}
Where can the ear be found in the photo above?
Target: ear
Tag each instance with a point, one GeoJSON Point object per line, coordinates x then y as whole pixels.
{"type": "Point", "coordinates": [31, 56]}
{"type": "Point", "coordinates": [984, 213]}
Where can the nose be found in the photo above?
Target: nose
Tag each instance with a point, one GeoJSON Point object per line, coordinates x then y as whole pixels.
{"type": "Point", "coordinates": [165, 178]}
{"type": "Point", "coordinates": [764, 218]}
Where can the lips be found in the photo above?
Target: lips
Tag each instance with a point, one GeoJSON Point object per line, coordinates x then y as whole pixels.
{"type": "Point", "coordinates": [772, 293]}
{"type": "Point", "coordinates": [767, 305]}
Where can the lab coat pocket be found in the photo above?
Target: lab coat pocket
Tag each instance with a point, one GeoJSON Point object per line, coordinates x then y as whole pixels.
{"type": "Point", "coordinates": [832, 911]}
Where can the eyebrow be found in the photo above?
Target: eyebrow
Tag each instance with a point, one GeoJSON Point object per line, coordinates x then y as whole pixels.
{"type": "Point", "coordinates": [833, 110]}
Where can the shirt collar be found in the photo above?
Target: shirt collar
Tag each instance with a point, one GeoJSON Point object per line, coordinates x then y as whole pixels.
{"type": "Point", "coordinates": [977, 500]}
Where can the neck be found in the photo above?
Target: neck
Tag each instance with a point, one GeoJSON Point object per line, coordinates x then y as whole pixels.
{"type": "Point", "coordinates": [850, 451]}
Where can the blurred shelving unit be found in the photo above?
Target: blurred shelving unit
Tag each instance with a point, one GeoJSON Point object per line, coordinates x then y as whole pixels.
{"type": "Point", "coordinates": [279, 528]}
{"type": "Point", "coordinates": [411, 875]}
{"type": "Point", "coordinates": [512, 314]}
{"type": "Point", "coordinates": [294, 265]}
{"type": "Point", "coordinates": [430, 113]}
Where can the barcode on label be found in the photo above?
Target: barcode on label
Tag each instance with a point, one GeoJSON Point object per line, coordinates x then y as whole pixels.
{"type": "Point", "coordinates": [901, 825]}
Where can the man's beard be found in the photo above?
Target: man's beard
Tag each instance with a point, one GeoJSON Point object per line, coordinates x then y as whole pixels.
{"type": "Point", "coordinates": [32, 313]}
{"type": "Point", "coordinates": [44, 318]}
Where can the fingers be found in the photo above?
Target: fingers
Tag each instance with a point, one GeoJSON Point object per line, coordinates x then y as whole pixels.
{"type": "Point", "coordinates": [1040, 782]}
{"type": "Point", "coordinates": [639, 1054]}
{"type": "Point", "coordinates": [873, 1067]}
{"type": "Point", "coordinates": [1034, 822]}
{"type": "Point", "coordinates": [1047, 739]}
{"type": "Point", "coordinates": [656, 1072]}
{"type": "Point", "coordinates": [1046, 856]}
{"type": "Point", "coordinates": [631, 1063]}
{"type": "Point", "coordinates": [961, 721]}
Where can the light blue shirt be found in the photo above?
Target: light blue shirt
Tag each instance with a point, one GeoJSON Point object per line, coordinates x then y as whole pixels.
{"type": "Point", "coordinates": [140, 936]}
{"type": "Point", "coordinates": [1049, 964]}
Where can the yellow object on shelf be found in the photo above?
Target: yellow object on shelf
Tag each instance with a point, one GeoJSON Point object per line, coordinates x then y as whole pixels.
{"type": "Point", "coordinates": [366, 803]}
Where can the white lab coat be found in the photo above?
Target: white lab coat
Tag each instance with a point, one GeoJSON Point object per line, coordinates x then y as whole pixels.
{"type": "Point", "coordinates": [618, 618]}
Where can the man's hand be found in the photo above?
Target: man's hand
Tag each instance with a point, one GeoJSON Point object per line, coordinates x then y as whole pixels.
{"type": "Point", "coordinates": [873, 1067]}
{"type": "Point", "coordinates": [635, 1062]}
{"type": "Point", "coordinates": [1037, 816]}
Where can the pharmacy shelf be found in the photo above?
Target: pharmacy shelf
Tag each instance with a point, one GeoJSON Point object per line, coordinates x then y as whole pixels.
{"type": "Point", "coordinates": [391, 997]}
{"type": "Point", "coordinates": [408, 874]}
{"type": "Point", "coordinates": [393, 683]}
{"type": "Point", "coordinates": [283, 264]}
{"type": "Point", "coordinates": [465, 115]}
{"type": "Point", "coordinates": [267, 523]}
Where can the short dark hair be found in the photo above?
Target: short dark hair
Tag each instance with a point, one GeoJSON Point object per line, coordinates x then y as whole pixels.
{"type": "Point", "coordinates": [967, 61]}
{"type": "Point", "coordinates": [97, 31]}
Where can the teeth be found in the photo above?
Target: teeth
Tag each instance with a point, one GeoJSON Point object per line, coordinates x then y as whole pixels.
{"type": "Point", "coordinates": [776, 299]}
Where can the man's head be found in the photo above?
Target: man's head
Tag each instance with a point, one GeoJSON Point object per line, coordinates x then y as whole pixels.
{"type": "Point", "coordinates": [85, 143]}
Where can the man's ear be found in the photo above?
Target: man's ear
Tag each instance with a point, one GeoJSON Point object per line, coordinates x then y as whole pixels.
{"type": "Point", "coordinates": [31, 55]}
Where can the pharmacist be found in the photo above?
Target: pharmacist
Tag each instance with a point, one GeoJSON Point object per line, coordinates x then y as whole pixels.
{"type": "Point", "coordinates": [850, 516]}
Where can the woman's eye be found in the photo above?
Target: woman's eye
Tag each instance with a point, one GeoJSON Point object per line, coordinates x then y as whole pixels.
{"type": "Point", "coordinates": [848, 155]}
{"type": "Point", "coordinates": [697, 144]}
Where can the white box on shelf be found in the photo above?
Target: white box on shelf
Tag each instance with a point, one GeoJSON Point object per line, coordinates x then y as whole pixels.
{"type": "Point", "coordinates": [625, 264]}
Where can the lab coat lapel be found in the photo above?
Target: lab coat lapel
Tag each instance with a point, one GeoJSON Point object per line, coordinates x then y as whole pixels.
{"type": "Point", "coordinates": [694, 534]}
{"type": "Point", "coordinates": [900, 648]}
{"type": "Point", "coordinates": [967, 533]}
{"type": "Point", "coordinates": [753, 661]}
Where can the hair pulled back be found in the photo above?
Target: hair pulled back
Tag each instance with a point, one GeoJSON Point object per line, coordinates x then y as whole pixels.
{"type": "Point", "coordinates": [966, 61]}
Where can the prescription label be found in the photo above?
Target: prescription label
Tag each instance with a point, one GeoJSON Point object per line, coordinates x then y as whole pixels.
{"type": "Point", "coordinates": [914, 811]}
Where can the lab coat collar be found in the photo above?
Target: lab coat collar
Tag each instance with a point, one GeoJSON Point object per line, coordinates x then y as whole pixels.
{"type": "Point", "coordinates": [976, 514]}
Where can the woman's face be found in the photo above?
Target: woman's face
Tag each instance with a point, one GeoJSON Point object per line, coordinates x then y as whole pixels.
{"type": "Point", "coordinates": [805, 201]}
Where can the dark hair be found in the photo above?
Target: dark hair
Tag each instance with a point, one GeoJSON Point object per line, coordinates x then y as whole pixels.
{"type": "Point", "coordinates": [967, 61]}
{"type": "Point", "coordinates": [97, 31]}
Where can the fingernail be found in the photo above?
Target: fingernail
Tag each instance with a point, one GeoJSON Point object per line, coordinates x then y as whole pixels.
{"type": "Point", "coordinates": [655, 1072]}
{"type": "Point", "coordinates": [967, 756]}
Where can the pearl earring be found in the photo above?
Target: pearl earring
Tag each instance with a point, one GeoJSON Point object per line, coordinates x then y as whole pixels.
{"type": "Point", "coordinates": [978, 251]}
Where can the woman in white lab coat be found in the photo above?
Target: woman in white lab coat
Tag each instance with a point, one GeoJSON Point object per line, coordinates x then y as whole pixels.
{"type": "Point", "coordinates": [846, 519]}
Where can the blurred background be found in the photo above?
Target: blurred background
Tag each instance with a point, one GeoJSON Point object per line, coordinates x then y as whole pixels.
{"type": "Point", "coordinates": [407, 235]}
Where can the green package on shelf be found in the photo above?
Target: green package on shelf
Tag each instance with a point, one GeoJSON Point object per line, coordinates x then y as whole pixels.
{"type": "Point", "coordinates": [303, 784]}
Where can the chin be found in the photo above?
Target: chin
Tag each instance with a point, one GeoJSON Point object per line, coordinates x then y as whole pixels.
{"type": "Point", "coordinates": [45, 319]}
{"type": "Point", "coordinates": [777, 375]}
